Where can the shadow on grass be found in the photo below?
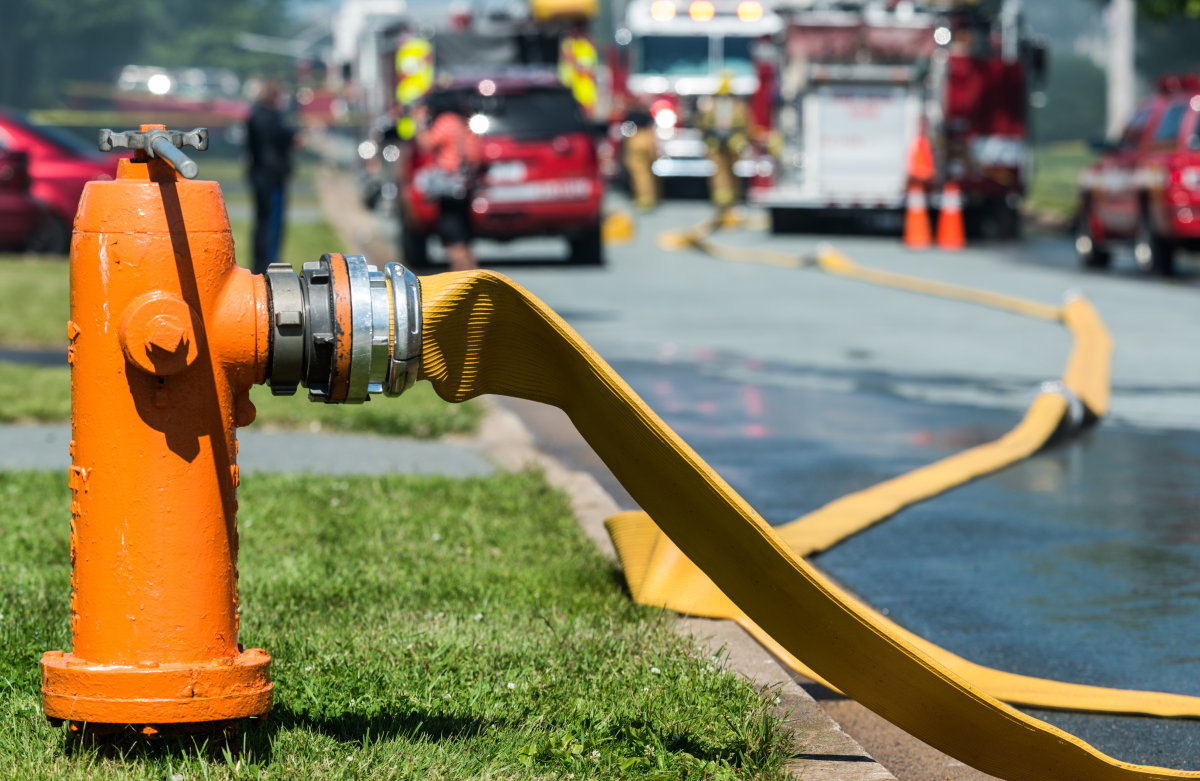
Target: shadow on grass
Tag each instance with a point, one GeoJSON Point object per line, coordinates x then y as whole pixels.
{"type": "Point", "coordinates": [252, 740]}
{"type": "Point", "coordinates": [355, 728]}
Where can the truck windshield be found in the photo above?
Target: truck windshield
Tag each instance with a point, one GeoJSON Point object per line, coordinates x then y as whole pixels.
{"type": "Point", "coordinates": [673, 55]}
{"type": "Point", "coordinates": [735, 55]}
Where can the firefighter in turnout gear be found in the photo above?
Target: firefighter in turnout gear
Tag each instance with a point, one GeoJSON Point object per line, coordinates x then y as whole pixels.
{"type": "Point", "coordinates": [725, 123]}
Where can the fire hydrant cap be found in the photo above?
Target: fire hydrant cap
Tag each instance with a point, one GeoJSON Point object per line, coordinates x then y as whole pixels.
{"type": "Point", "coordinates": [158, 334]}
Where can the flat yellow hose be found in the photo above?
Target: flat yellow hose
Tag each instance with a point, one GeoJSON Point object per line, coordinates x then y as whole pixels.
{"type": "Point", "coordinates": [484, 334]}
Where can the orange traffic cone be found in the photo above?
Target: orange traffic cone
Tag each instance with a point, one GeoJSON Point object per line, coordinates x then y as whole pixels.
{"type": "Point", "coordinates": [920, 159]}
{"type": "Point", "coordinates": [950, 234]}
{"type": "Point", "coordinates": [916, 219]}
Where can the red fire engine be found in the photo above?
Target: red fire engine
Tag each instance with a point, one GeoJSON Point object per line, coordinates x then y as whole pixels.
{"type": "Point", "coordinates": [859, 82]}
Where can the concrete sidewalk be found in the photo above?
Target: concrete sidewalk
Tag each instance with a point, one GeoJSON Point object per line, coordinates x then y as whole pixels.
{"type": "Point", "coordinates": [44, 446]}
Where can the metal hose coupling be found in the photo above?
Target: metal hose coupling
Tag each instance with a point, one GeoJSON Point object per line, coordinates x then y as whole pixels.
{"type": "Point", "coordinates": [1078, 416]}
{"type": "Point", "coordinates": [343, 329]}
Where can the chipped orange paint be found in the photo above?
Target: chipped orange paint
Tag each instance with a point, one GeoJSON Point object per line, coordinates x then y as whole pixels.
{"type": "Point", "coordinates": [343, 325]}
{"type": "Point", "coordinates": [167, 337]}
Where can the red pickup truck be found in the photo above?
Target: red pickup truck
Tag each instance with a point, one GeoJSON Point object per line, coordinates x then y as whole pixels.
{"type": "Point", "coordinates": [541, 173]}
{"type": "Point", "coordinates": [1145, 187]}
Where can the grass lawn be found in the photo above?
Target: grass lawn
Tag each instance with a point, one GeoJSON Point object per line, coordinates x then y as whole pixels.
{"type": "Point", "coordinates": [421, 628]}
{"type": "Point", "coordinates": [36, 313]}
{"type": "Point", "coordinates": [1056, 168]}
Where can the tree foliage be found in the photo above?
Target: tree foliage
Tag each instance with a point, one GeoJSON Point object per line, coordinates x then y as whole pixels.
{"type": "Point", "coordinates": [45, 43]}
{"type": "Point", "coordinates": [1166, 9]}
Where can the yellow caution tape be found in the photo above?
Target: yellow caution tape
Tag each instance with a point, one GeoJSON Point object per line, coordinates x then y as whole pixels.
{"type": "Point", "coordinates": [485, 334]}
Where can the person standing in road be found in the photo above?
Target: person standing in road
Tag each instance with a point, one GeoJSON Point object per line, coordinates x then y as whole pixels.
{"type": "Point", "coordinates": [269, 142]}
{"type": "Point", "coordinates": [640, 150]}
{"type": "Point", "coordinates": [457, 152]}
{"type": "Point", "coordinates": [724, 121]}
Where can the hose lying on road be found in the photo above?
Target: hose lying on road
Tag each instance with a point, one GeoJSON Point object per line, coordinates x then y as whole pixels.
{"type": "Point", "coordinates": [485, 334]}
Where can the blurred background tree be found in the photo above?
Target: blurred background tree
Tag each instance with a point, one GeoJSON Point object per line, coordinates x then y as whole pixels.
{"type": "Point", "coordinates": [46, 43]}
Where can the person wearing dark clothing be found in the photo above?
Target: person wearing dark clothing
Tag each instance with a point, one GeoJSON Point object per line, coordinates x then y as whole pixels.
{"type": "Point", "coordinates": [269, 141]}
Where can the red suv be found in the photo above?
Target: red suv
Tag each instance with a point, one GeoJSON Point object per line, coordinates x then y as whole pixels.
{"type": "Point", "coordinates": [60, 164]}
{"type": "Point", "coordinates": [1145, 188]}
{"type": "Point", "coordinates": [541, 173]}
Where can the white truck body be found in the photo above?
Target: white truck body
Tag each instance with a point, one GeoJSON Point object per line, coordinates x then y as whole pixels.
{"type": "Point", "coordinates": [858, 123]}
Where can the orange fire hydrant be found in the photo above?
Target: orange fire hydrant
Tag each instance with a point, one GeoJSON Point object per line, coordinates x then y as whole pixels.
{"type": "Point", "coordinates": [167, 335]}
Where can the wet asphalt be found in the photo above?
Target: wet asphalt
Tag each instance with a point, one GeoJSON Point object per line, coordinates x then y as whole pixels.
{"type": "Point", "coordinates": [1082, 564]}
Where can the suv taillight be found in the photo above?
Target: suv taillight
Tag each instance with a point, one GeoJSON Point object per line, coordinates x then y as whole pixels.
{"type": "Point", "coordinates": [665, 112]}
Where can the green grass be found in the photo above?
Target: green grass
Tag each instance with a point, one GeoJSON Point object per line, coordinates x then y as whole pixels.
{"type": "Point", "coordinates": [36, 306]}
{"type": "Point", "coordinates": [1056, 169]}
{"type": "Point", "coordinates": [34, 394]}
{"type": "Point", "coordinates": [421, 628]}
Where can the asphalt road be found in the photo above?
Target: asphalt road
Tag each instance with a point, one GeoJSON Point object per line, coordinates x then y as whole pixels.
{"type": "Point", "coordinates": [1082, 564]}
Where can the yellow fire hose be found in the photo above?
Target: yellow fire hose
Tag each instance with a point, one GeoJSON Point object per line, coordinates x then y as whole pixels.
{"type": "Point", "coordinates": [485, 334]}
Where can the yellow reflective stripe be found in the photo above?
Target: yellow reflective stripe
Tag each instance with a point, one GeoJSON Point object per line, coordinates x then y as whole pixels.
{"type": "Point", "coordinates": [414, 70]}
{"type": "Point", "coordinates": [485, 334]}
{"type": "Point", "coordinates": [584, 90]}
{"type": "Point", "coordinates": [411, 88]}
{"type": "Point", "coordinates": [412, 55]}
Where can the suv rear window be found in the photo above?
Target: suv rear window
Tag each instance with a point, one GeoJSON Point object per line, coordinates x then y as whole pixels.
{"type": "Point", "coordinates": [1133, 131]}
{"type": "Point", "coordinates": [535, 112]}
{"type": "Point", "coordinates": [1168, 127]}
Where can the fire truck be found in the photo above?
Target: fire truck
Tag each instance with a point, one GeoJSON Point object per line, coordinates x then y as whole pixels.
{"type": "Point", "coordinates": [413, 51]}
{"type": "Point", "coordinates": [860, 82]}
{"type": "Point", "coordinates": [674, 54]}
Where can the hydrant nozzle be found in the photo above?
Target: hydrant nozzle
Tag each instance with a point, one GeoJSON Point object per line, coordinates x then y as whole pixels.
{"type": "Point", "coordinates": [167, 336]}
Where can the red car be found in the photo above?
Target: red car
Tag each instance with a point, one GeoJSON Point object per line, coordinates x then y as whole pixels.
{"type": "Point", "coordinates": [541, 171]}
{"type": "Point", "coordinates": [20, 214]}
{"type": "Point", "coordinates": [60, 164]}
{"type": "Point", "coordinates": [1145, 188]}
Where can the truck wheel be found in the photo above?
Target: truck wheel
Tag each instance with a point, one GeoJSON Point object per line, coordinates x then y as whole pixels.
{"type": "Point", "coordinates": [587, 248]}
{"type": "Point", "coordinates": [1153, 252]}
{"type": "Point", "coordinates": [1091, 250]}
{"type": "Point", "coordinates": [414, 247]}
{"type": "Point", "coordinates": [995, 219]}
